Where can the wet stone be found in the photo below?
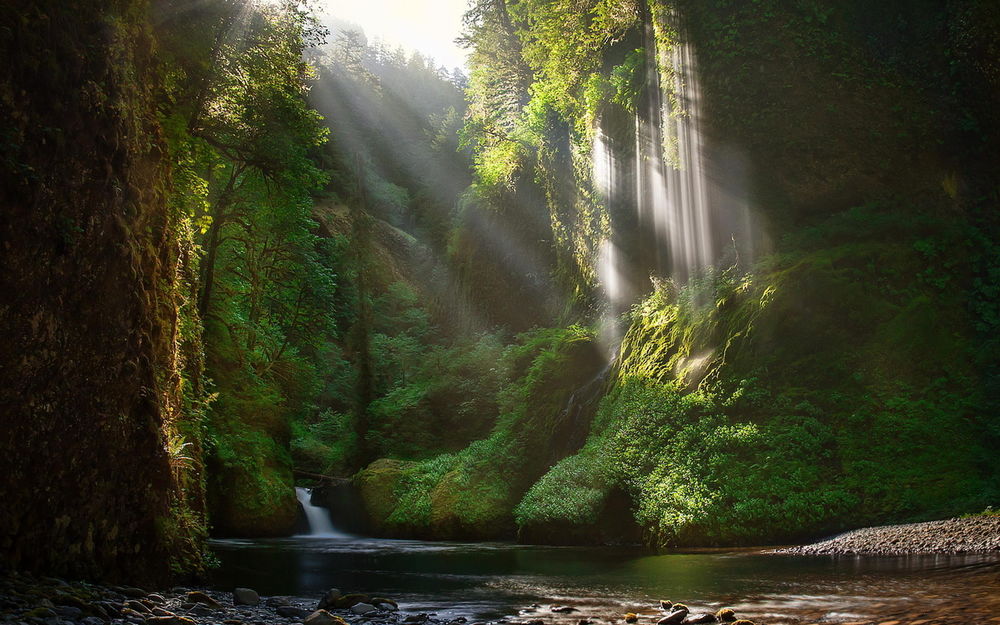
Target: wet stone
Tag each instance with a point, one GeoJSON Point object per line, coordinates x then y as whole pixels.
{"type": "Point", "coordinates": [291, 611]}
{"type": "Point", "coordinates": [245, 596]}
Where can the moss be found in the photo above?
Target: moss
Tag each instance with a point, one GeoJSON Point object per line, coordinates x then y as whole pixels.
{"type": "Point", "coordinates": [472, 493]}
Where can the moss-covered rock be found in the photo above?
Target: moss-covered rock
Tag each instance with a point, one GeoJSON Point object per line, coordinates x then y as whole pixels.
{"type": "Point", "coordinates": [471, 494]}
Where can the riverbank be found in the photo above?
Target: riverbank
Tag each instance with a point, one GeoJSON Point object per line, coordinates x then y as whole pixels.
{"type": "Point", "coordinates": [29, 600]}
{"type": "Point", "coordinates": [975, 534]}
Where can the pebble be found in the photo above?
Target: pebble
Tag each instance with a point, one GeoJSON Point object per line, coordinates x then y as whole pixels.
{"type": "Point", "coordinates": [976, 534]}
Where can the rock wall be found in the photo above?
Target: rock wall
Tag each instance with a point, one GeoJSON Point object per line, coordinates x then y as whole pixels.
{"type": "Point", "coordinates": [89, 370]}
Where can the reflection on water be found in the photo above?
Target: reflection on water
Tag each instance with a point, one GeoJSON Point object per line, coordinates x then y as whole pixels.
{"type": "Point", "coordinates": [492, 580]}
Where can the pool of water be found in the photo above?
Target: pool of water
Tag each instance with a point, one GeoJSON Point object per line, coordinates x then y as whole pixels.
{"type": "Point", "coordinates": [490, 581]}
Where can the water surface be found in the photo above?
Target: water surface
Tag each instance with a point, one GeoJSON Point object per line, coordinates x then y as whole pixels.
{"type": "Point", "coordinates": [490, 581]}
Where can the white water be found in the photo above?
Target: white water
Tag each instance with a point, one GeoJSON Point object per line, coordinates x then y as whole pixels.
{"type": "Point", "coordinates": [319, 518]}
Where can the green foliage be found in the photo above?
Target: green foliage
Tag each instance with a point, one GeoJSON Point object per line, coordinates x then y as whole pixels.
{"type": "Point", "coordinates": [472, 492]}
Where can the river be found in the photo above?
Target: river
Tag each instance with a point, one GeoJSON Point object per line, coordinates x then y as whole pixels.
{"type": "Point", "coordinates": [490, 581]}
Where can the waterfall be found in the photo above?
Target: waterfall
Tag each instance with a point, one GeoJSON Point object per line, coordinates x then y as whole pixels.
{"type": "Point", "coordinates": [318, 517]}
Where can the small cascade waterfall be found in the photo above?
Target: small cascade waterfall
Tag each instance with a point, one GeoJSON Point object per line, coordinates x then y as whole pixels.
{"type": "Point", "coordinates": [319, 518]}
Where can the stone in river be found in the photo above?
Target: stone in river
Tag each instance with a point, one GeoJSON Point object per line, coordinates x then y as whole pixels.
{"type": "Point", "coordinates": [273, 602]}
{"type": "Point", "coordinates": [329, 598]}
{"type": "Point", "coordinates": [197, 596]}
{"type": "Point", "coordinates": [388, 604]}
{"type": "Point", "coordinates": [726, 615]}
{"type": "Point", "coordinates": [674, 618]}
{"type": "Point", "coordinates": [562, 609]}
{"type": "Point", "coordinates": [363, 608]}
{"type": "Point", "coordinates": [170, 620]}
{"type": "Point", "coordinates": [291, 611]}
{"type": "Point", "coordinates": [631, 617]}
{"type": "Point", "coordinates": [246, 596]}
{"type": "Point", "coordinates": [349, 601]}
{"type": "Point", "coordinates": [67, 611]}
{"type": "Point", "coordinates": [698, 619]}
{"type": "Point", "coordinates": [322, 617]}
{"type": "Point", "coordinates": [666, 604]}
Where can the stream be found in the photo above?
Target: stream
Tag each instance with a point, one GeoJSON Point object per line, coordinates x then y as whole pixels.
{"type": "Point", "coordinates": [489, 581]}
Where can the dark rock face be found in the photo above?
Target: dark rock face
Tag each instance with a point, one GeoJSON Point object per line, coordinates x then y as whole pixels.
{"type": "Point", "coordinates": [343, 500]}
{"type": "Point", "coordinates": [87, 323]}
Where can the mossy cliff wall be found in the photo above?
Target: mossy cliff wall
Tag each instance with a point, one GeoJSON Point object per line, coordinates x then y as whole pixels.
{"type": "Point", "coordinates": [90, 385]}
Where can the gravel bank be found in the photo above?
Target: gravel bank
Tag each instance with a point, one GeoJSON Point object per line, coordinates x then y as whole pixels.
{"type": "Point", "coordinates": [977, 534]}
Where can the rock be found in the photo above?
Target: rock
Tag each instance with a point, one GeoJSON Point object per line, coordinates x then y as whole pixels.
{"type": "Point", "coordinates": [170, 620]}
{"type": "Point", "coordinates": [162, 612]}
{"type": "Point", "coordinates": [562, 609]}
{"type": "Point", "coordinates": [322, 617]}
{"type": "Point", "coordinates": [535, 622]}
{"type": "Point", "coordinates": [132, 614]}
{"type": "Point", "coordinates": [157, 599]}
{"type": "Point", "coordinates": [197, 596]}
{"type": "Point", "coordinates": [415, 618]}
{"type": "Point", "coordinates": [41, 612]}
{"type": "Point", "coordinates": [132, 592]}
{"type": "Point", "coordinates": [674, 618]}
{"type": "Point", "coordinates": [726, 615]}
{"type": "Point", "coordinates": [291, 611]}
{"type": "Point", "coordinates": [377, 600]}
{"type": "Point", "coordinates": [274, 602]}
{"type": "Point", "coordinates": [232, 621]}
{"type": "Point", "coordinates": [584, 621]}
{"type": "Point", "coordinates": [138, 606]}
{"type": "Point", "coordinates": [631, 617]}
{"type": "Point", "coordinates": [329, 599]}
{"type": "Point", "coordinates": [698, 619]}
{"type": "Point", "coordinates": [363, 608]}
{"type": "Point", "coordinates": [201, 610]}
{"type": "Point", "coordinates": [74, 601]}
{"type": "Point", "coordinates": [349, 601]}
{"type": "Point", "coordinates": [666, 604]}
{"type": "Point", "coordinates": [66, 611]}
{"type": "Point", "coordinates": [742, 621]}
{"type": "Point", "coordinates": [245, 596]}
{"type": "Point", "coordinates": [92, 620]}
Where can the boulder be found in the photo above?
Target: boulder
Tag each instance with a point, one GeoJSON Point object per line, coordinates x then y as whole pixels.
{"type": "Point", "coordinates": [322, 617]}
{"type": "Point", "coordinates": [196, 596]}
{"type": "Point", "coordinates": [274, 602]}
{"type": "Point", "coordinates": [246, 596]}
{"type": "Point", "coordinates": [631, 617]}
{"type": "Point", "coordinates": [377, 600]}
{"type": "Point", "coordinates": [666, 604]}
{"type": "Point", "coordinates": [726, 615]}
{"type": "Point", "coordinates": [328, 599]}
{"type": "Point", "coordinates": [291, 611]}
{"type": "Point", "coordinates": [674, 618]}
{"type": "Point", "coordinates": [349, 601]}
{"type": "Point", "coordinates": [363, 608]}
{"type": "Point", "coordinates": [699, 619]}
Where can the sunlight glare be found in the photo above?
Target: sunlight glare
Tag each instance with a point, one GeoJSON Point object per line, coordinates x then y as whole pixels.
{"type": "Point", "coordinates": [422, 25]}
